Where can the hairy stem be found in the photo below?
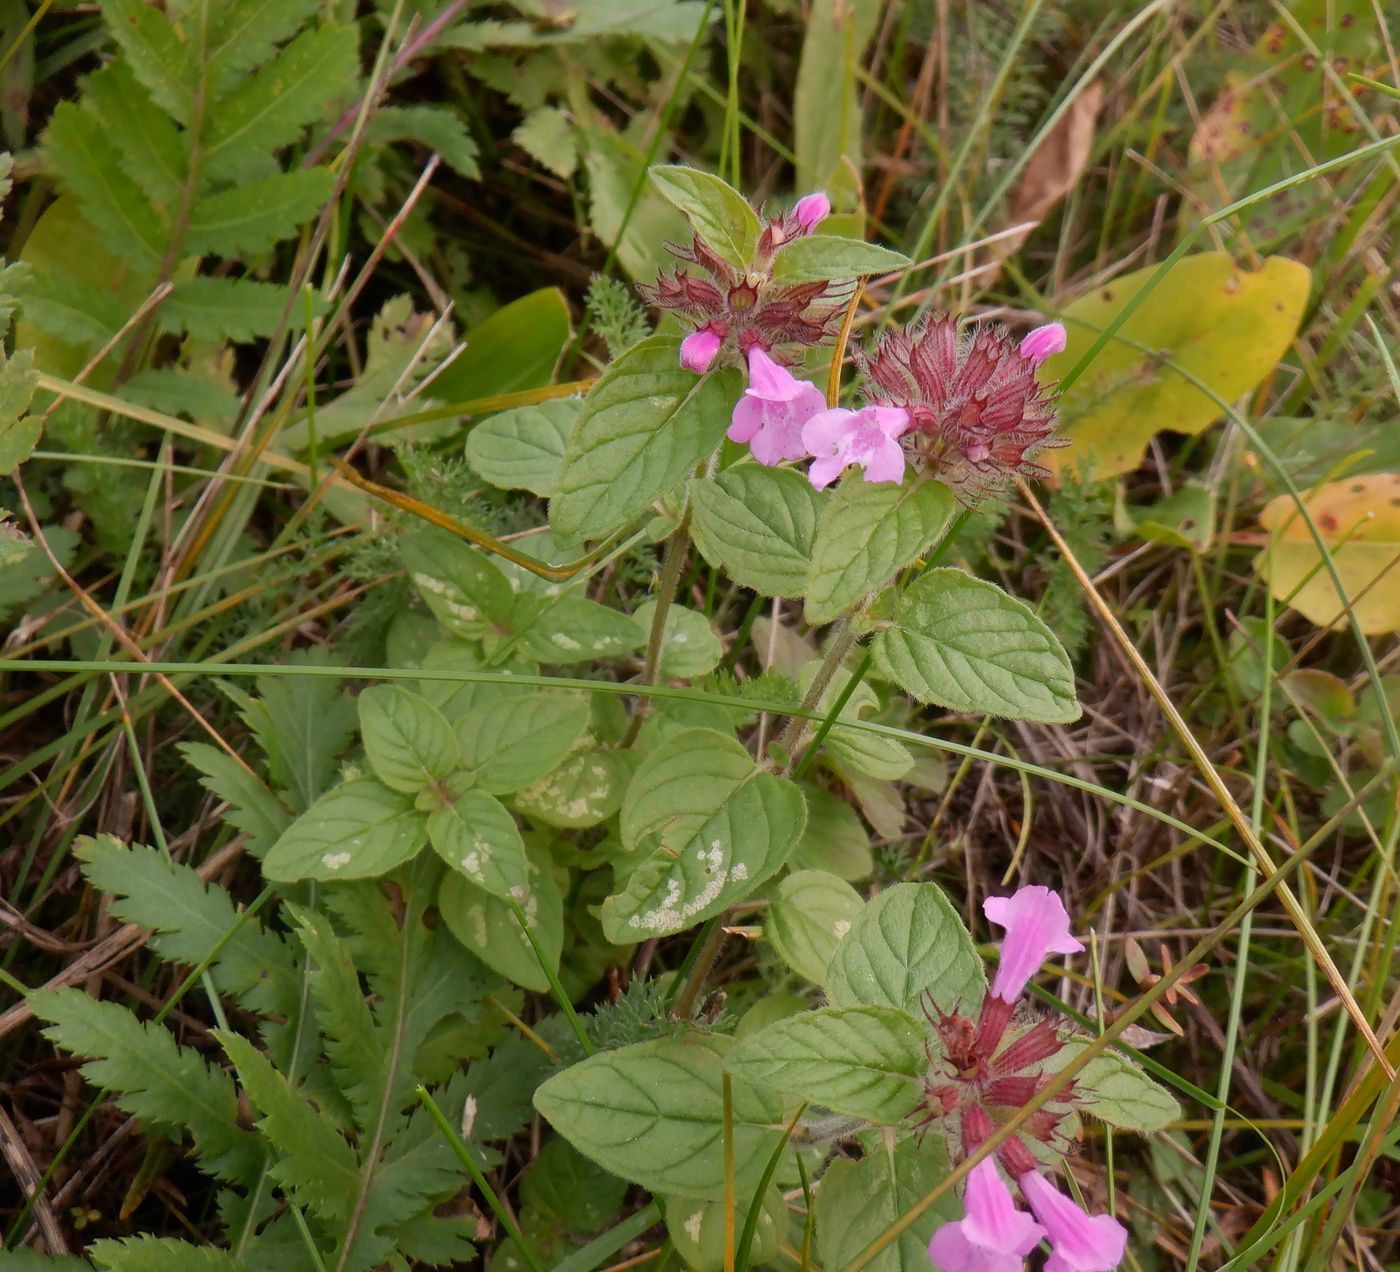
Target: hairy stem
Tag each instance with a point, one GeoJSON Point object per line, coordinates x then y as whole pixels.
{"type": "Point", "coordinates": [672, 562]}
{"type": "Point", "coordinates": [841, 645]}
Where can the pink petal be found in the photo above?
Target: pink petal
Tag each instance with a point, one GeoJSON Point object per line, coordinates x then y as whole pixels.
{"type": "Point", "coordinates": [1037, 926]}
{"type": "Point", "coordinates": [698, 350]}
{"type": "Point", "coordinates": [746, 420]}
{"type": "Point", "coordinates": [885, 461]}
{"type": "Point", "coordinates": [826, 431]}
{"type": "Point", "coordinates": [1043, 342]}
{"type": "Point", "coordinates": [825, 471]}
{"type": "Point", "coordinates": [1078, 1242]}
{"type": "Point", "coordinates": [771, 382]}
{"type": "Point", "coordinates": [811, 210]}
{"type": "Point", "coordinates": [993, 1235]}
{"type": "Point", "coordinates": [779, 439]}
{"type": "Point", "coordinates": [892, 421]}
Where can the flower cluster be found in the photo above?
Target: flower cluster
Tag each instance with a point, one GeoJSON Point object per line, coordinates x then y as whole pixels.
{"type": "Point", "coordinates": [735, 311]}
{"type": "Point", "coordinates": [978, 1081]}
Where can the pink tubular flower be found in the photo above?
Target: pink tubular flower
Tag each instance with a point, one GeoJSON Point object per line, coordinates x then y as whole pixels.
{"type": "Point", "coordinates": [1078, 1242]}
{"type": "Point", "coordinates": [839, 438]}
{"type": "Point", "coordinates": [812, 210]}
{"type": "Point", "coordinates": [1036, 926]}
{"type": "Point", "coordinates": [993, 1236]}
{"type": "Point", "coordinates": [698, 350]}
{"type": "Point", "coordinates": [1043, 342]}
{"type": "Point", "coordinates": [771, 414]}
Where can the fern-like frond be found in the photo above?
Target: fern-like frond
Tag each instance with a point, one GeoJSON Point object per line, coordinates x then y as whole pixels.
{"type": "Point", "coordinates": [162, 1254]}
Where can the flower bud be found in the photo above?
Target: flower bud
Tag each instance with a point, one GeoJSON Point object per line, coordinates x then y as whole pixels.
{"type": "Point", "coordinates": [698, 350]}
{"type": "Point", "coordinates": [812, 210]}
{"type": "Point", "coordinates": [1043, 342]}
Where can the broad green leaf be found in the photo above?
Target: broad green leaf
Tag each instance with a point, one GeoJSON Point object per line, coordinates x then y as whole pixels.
{"type": "Point", "coordinates": [564, 1185]}
{"type": "Point", "coordinates": [154, 1254]}
{"type": "Point", "coordinates": [757, 524]}
{"type": "Point", "coordinates": [865, 1062]}
{"type": "Point", "coordinates": [965, 644]}
{"type": "Point", "coordinates": [214, 309]}
{"type": "Point", "coordinates": [456, 698]}
{"type": "Point", "coordinates": [869, 753]}
{"type": "Point", "coordinates": [810, 913]}
{"type": "Point", "coordinates": [358, 830]}
{"type": "Point", "coordinates": [19, 433]}
{"type": "Point", "coordinates": [465, 590]}
{"type": "Point", "coordinates": [516, 348]}
{"type": "Point", "coordinates": [478, 837]}
{"type": "Point", "coordinates": [509, 744]}
{"type": "Point", "coordinates": [867, 532]}
{"type": "Point", "coordinates": [834, 841]}
{"type": "Point", "coordinates": [717, 212]}
{"type": "Point", "coordinates": [1358, 521]}
{"type": "Point", "coordinates": [1225, 325]}
{"type": "Point", "coordinates": [689, 646]}
{"type": "Point", "coordinates": [713, 825]}
{"type": "Point", "coordinates": [1114, 1090]}
{"type": "Point", "coordinates": [858, 1201]}
{"type": "Point", "coordinates": [487, 925]}
{"type": "Point", "coordinates": [585, 790]}
{"type": "Point", "coordinates": [699, 1229]}
{"type": "Point", "coordinates": [252, 217]}
{"type": "Point", "coordinates": [522, 449]}
{"type": "Point", "coordinates": [574, 630]}
{"type": "Point", "coordinates": [817, 257]}
{"type": "Point", "coordinates": [907, 942]}
{"type": "Point", "coordinates": [409, 744]}
{"type": "Point", "coordinates": [653, 1112]}
{"type": "Point", "coordinates": [644, 425]}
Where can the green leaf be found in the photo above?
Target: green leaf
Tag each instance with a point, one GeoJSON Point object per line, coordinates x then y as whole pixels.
{"type": "Point", "coordinates": [516, 348]}
{"type": "Point", "coordinates": [867, 532]}
{"type": "Point", "coordinates": [865, 1062]}
{"type": "Point", "coordinates": [303, 724]}
{"type": "Point", "coordinates": [717, 212]}
{"type": "Point", "coordinates": [19, 433]}
{"type": "Point", "coordinates": [157, 1254]}
{"type": "Point", "coordinates": [214, 309]}
{"type": "Point", "coordinates": [574, 630]}
{"type": "Point", "coordinates": [644, 425]}
{"type": "Point", "coordinates": [465, 590]}
{"type": "Point", "coordinates": [154, 1077]}
{"type": "Point", "coordinates": [653, 1113]}
{"type": "Point", "coordinates": [835, 840]}
{"type": "Point", "coordinates": [489, 928]}
{"type": "Point", "coordinates": [907, 942]}
{"type": "Point", "coordinates": [689, 646]}
{"type": "Point", "coordinates": [112, 202]}
{"type": "Point", "coordinates": [477, 837]}
{"type": "Point", "coordinates": [879, 757]}
{"type": "Point", "coordinates": [585, 790]}
{"type": "Point", "coordinates": [359, 830]}
{"type": "Point", "coordinates": [157, 55]}
{"type": "Point", "coordinates": [409, 744]}
{"type": "Point", "coordinates": [757, 524]}
{"type": "Point", "coordinates": [858, 1201]}
{"type": "Point", "coordinates": [252, 217]}
{"type": "Point", "coordinates": [818, 257]}
{"type": "Point", "coordinates": [564, 1186]}
{"type": "Point", "coordinates": [244, 33]}
{"type": "Point", "coordinates": [1114, 1090]}
{"type": "Point", "coordinates": [522, 449]}
{"type": "Point", "coordinates": [965, 644]}
{"type": "Point", "coordinates": [547, 135]}
{"type": "Point", "coordinates": [152, 151]}
{"type": "Point", "coordinates": [271, 107]}
{"type": "Point", "coordinates": [253, 808]}
{"type": "Point", "coordinates": [439, 128]}
{"type": "Point", "coordinates": [714, 826]}
{"type": "Point", "coordinates": [509, 744]}
{"type": "Point", "coordinates": [699, 1230]}
{"type": "Point", "coordinates": [455, 698]}
{"type": "Point", "coordinates": [811, 912]}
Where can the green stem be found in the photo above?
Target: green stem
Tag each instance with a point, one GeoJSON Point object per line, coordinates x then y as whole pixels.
{"type": "Point", "coordinates": [671, 565]}
{"type": "Point", "coordinates": [841, 645]}
{"type": "Point", "coordinates": [701, 960]}
{"type": "Point", "coordinates": [832, 716]}
{"type": "Point", "coordinates": [555, 986]}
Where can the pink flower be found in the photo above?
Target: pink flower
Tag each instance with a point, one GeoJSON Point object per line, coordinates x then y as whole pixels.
{"type": "Point", "coordinates": [840, 438]}
{"type": "Point", "coordinates": [993, 1236]}
{"type": "Point", "coordinates": [698, 350]}
{"type": "Point", "coordinates": [812, 210]}
{"type": "Point", "coordinates": [1078, 1242]}
{"type": "Point", "coordinates": [1043, 342]}
{"type": "Point", "coordinates": [773, 410]}
{"type": "Point", "coordinates": [1036, 926]}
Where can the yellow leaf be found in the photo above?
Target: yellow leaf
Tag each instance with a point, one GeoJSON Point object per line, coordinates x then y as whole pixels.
{"type": "Point", "coordinates": [1224, 324]}
{"type": "Point", "coordinates": [1359, 522]}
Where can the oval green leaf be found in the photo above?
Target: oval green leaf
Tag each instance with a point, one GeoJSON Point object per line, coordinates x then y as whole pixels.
{"type": "Point", "coordinates": [358, 830]}
{"type": "Point", "coordinates": [757, 525]}
{"type": "Point", "coordinates": [811, 912]}
{"type": "Point", "coordinates": [409, 744]}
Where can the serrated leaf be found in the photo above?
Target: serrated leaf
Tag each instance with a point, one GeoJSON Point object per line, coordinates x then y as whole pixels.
{"type": "Point", "coordinates": [66, 306]}
{"type": "Point", "coordinates": [757, 524]}
{"type": "Point", "coordinates": [152, 152]}
{"type": "Point", "coordinates": [160, 59]}
{"type": "Point", "coordinates": [409, 744]}
{"type": "Point", "coordinates": [153, 1077]}
{"type": "Point", "coordinates": [1114, 1090]}
{"type": "Point", "coordinates": [810, 913]}
{"type": "Point", "coordinates": [509, 744]}
{"type": "Point", "coordinates": [865, 1062]}
{"type": "Point", "coordinates": [214, 309]}
{"type": "Point", "coordinates": [253, 808]}
{"type": "Point", "coordinates": [835, 840]}
{"type": "Point", "coordinates": [440, 128]}
{"type": "Point", "coordinates": [522, 449]}
{"type": "Point", "coordinates": [574, 630]}
{"type": "Point", "coordinates": [867, 532]}
{"type": "Point", "coordinates": [465, 590]}
{"type": "Point", "coordinates": [111, 201]}
{"type": "Point", "coordinates": [644, 425]}
{"type": "Point", "coordinates": [585, 790]}
{"type": "Point", "coordinates": [547, 135]}
{"type": "Point", "coordinates": [244, 33]}
{"type": "Point", "coordinates": [965, 644]}
{"type": "Point", "coordinates": [303, 723]}
{"type": "Point", "coordinates": [359, 830]}
{"type": "Point", "coordinates": [478, 838]}
{"type": "Point", "coordinates": [254, 216]}
{"type": "Point", "coordinates": [689, 646]}
{"type": "Point", "coordinates": [713, 825]}
{"type": "Point", "coordinates": [859, 1201]}
{"type": "Point", "coordinates": [848, 748]}
{"type": "Point", "coordinates": [19, 433]}
{"type": "Point", "coordinates": [158, 1254]}
{"type": "Point", "coordinates": [717, 212]}
{"type": "Point", "coordinates": [818, 257]}
{"type": "Point", "coordinates": [270, 108]}
{"type": "Point", "coordinates": [455, 698]}
{"type": "Point", "coordinates": [907, 942]}
{"type": "Point", "coordinates": [653, 1113]}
